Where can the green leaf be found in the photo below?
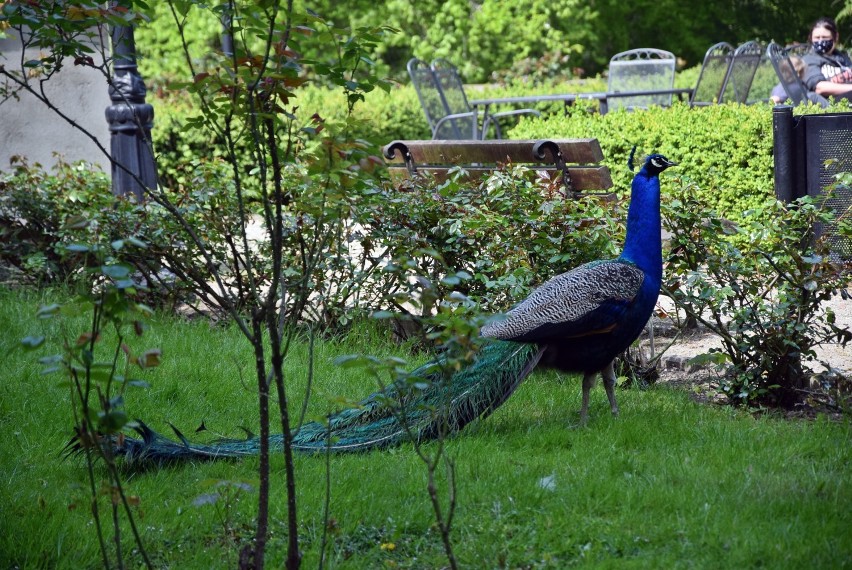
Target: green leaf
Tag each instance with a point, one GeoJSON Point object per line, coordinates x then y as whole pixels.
{"type": "Point", "coordinates": [717, 358]}
{"type": "Point", "coordinates": [76, 222]}
{"type": "Point", "coordinates": [348, 360]}
{"type": "Point", "coordinates": [457, 296]}
{"type": "Point", "coordinates": [32, 342]}
{"type": "Point", "coordinates": [144, 309]}
{"type": "Point", "coordinates": [115, 271]}
{"type": "Point", "coordinates": [111, 421]}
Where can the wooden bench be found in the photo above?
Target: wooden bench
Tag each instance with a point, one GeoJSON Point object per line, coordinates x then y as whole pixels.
{"type": "Point", "coordinates": [576, 160]}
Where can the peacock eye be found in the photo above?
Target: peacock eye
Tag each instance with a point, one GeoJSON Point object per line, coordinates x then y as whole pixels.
{"type": "Point", "coordinates": [656, 163]}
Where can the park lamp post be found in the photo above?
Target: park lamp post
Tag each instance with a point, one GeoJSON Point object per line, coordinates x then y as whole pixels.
{"type": "Point", "coordinates": [130, 120]}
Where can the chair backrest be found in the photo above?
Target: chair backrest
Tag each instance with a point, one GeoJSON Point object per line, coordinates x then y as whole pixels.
{"type": "Point", "coordinates": [746, 59]}
{"type": "Point", "coordinates": [798, 50]}
{"type": "Point", "coordinates": [795, 53]}
{"type": "Point", "coordinates": [711, 78]}
{"type": "Point", "coordinates": [455, 101]}
{"type": "Point", "coordinates": [428, 92]}
{"type": "Point", "coordinates": [787, 72]}
{"type": "Point", "coordinates": [764, 81]}
{"type": "Point", "coordinates": [643, 69]}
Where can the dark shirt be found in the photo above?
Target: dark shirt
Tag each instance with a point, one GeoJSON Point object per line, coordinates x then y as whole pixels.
{"type": "Point", "coordinates": [836, 67]}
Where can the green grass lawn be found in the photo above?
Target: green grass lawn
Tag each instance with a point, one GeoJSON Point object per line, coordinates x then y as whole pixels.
{"type": "Point", "coordinates": [669, 484]}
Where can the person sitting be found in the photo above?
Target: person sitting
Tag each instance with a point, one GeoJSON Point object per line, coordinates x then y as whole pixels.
{"type": "Point", "coordinates": [828, 70]}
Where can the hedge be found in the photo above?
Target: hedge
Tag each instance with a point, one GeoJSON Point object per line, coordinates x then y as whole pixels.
{"type": "Point", "coordinates": [724, 151]}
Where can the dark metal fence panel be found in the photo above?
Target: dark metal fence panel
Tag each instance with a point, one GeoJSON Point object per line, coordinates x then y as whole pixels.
{"type": "Point", "coordinates": [828, 149]}
{"type": "Point", "coordinates": [810, 151]}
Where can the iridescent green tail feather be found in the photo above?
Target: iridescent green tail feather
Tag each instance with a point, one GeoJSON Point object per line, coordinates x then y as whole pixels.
{"type": "Point", "coordinates": [426, 404]}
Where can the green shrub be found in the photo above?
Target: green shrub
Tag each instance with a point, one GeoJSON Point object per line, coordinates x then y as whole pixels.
{"type": "Point", "coordinates": [724, 151]}
{"type": "Point", "coordinates": [508, 233]}
{"type": "Point", "coordinates": [37, 209]}
{"type": "Point", "coordinates": [490, 241]}
{"type": "Point", "coordinates": [161, 57]}
{"type": "Point", "coordinates": [763, 294]}
{"type": "Point", "coordinates": [53, 224]}
{"type": "Point", "coordinates": [177, 148]}
{"type": "Point", "coordinates": [382, 118]}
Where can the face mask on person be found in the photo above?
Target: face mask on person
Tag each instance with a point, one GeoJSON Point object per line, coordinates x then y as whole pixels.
{"type": "Point", "coordinates": [823, 46]}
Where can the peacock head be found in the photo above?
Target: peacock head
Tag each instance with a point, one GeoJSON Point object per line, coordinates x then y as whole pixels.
{"type": "Point", "coordinates": [656, 163]}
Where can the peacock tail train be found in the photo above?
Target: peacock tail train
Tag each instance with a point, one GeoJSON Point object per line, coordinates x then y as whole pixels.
{"type": "Point", "coordinates": [423, 405]}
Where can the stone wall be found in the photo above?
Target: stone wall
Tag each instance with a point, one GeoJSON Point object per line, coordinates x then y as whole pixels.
{"type": "Point", "coordinates": [30, 129]}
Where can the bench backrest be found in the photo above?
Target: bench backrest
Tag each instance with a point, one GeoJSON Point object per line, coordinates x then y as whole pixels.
{"type": "Point", "coordinates": [577, 160]}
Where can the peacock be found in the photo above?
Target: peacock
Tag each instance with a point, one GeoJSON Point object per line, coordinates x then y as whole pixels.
{"type": "Point", "coordinates": [576, 322]}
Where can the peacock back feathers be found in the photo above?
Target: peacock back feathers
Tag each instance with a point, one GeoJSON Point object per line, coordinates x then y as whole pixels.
{"type": "Point", "coordinates": [562, 306]}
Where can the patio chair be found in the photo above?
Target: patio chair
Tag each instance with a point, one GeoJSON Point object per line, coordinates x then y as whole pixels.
{"type": "Point", "coordinates": [764, 81]}
{"type": "Point", "coordinates": [711, 78]}
{"type": "Point", "coordinates": [789, 76]}
{"type": "Point", "coordinates": [642, 69]}
{"type": "Point", "coordinates": [442, 124]}
{"type": "Point", "coordinates": [797, 50]}
{"type": "Point", "coordinates": [740, 75]}
{"type": "Point", "coordinates": [456, 104]}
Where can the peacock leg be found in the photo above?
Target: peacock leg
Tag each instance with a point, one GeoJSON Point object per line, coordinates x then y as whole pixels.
{"type": "Point", "coordinates": [588, 383]}
{"type": "Point", "coordinates": [608, 375]}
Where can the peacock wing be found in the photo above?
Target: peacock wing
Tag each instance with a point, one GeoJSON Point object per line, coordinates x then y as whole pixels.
{"type": "Point", "coordinates": [587, 300]}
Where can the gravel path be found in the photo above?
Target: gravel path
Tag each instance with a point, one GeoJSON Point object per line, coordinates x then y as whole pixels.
{"type": "Point", "coordinates": [686, 347]}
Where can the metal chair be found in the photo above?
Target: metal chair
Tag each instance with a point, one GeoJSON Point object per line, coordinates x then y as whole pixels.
{"type": "Point", "coordinates": [456, 104]}
{"type": "Point", "coordinates": [797, 50]}
{"type": "Point", "coordinates": [711, 78]}
{"type": "Point", "coordinates": [789, 75]}
{"type": "Point", "coordinates": [442, 124]}
{"type": "Point", "coordinates": [643, 69]}
{"type": "Point", "coordinates": [764, 81]}
{"type": "Point", "coordinates": [740, 75]}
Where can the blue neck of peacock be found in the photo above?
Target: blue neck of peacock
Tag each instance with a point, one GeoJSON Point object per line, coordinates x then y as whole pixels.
{"type": "Point", "coordinates": [643, 245]}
